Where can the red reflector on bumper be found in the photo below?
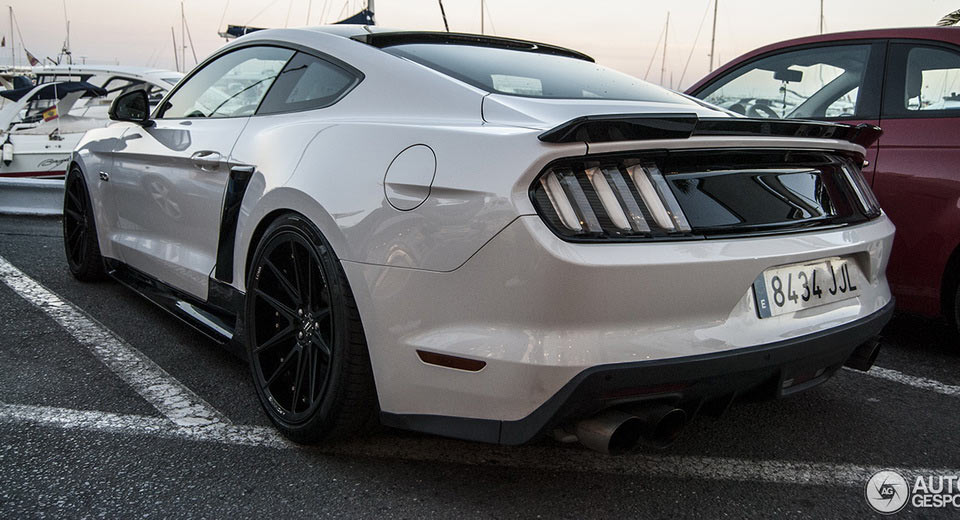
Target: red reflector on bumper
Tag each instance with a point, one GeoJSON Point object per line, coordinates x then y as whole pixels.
{"type": "Point", "coordinates": [445, 360]}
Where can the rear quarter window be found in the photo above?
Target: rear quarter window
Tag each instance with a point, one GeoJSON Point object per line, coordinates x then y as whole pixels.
{"type": "Point", "coordinates": [306, 83]}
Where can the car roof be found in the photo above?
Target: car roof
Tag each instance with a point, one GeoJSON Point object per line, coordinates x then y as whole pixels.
{"type": "Point", "coordinates": [385, 36]}
{"type": "Point", "coordinates": [944, 34]}
{"type": "Point", "coordinates": [349, 30]}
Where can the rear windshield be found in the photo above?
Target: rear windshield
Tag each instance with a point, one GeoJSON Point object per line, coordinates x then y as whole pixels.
{"type": "Point", "coordinates": [532, 74]}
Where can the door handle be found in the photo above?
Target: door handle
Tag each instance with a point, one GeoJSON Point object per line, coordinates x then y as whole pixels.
{"type": "Point", "coordinates": [206, 160]}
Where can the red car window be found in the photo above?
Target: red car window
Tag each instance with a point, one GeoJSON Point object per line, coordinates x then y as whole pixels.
{"type": "Point", "coordinates": [819, 82]}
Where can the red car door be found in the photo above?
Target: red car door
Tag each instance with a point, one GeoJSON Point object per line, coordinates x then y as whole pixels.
{"type": "Point", "coordinates": [918, 172]}
{"type": "Point", "coordinates": [834, 81]}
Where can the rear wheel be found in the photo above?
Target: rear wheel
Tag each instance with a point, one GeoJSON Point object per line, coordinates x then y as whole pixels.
{"type": "Point", "coordinates": [80, 230]}
{"type": "Point", "coordinates": [305, 341]}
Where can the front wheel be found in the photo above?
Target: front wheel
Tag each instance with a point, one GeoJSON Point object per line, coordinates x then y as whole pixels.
{"type": "Point", "coordinates": [304, 338]}
{"type": "Point", "coordinates": [80, 230]}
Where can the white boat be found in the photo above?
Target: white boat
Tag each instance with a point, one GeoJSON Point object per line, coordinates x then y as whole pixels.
{"type": "Point", "coordinates": [35, 146]}
{"type": "Point", "coordinates": [115, 79]}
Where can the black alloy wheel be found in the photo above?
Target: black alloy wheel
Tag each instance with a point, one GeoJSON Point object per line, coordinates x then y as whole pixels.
{"type": "Point", "coordinates": [304, 340]}
{"type": "Point", "coordinates": [80, 230]}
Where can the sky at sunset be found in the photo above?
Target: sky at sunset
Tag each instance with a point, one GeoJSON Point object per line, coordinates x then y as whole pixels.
{"type": "Point", "coordinates": [618, 33]}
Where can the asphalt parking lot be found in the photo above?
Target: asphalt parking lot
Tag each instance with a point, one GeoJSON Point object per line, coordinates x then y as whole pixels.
{"type": "Point", "coordinates": [110, 407]}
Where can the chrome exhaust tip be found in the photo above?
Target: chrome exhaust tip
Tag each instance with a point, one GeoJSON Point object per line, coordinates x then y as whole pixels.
{"type": "Point", "coordinates": [612, 432]}
{"type": "Point", "coordinates": [661, 424]}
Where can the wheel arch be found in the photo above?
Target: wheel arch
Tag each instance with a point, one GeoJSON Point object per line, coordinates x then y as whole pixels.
{"type": "Point", "coordinates": [76, 161]}
{"type": "Point", "coordinates": [87, 165]}
{"type": "Point", "coordinates": [269, 207]}
{"type": "Point", "coordinates": [257, 235]}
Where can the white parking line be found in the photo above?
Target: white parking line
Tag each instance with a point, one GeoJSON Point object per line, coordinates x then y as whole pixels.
{"type": "Point", "coordinates": [432, 449]}
{"type": "Point", "coordinates": [97, 421]}
{"type": "Point", "coordinates": [917, 382]}
{"type": "Point", "coordinates": [189, 417]}
{"type": "Point", "coordinates": [175, 401]}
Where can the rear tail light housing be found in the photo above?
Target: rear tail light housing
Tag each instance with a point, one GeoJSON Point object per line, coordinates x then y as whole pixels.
{"type": "Point", "coordinates": [620, 199]}
{"type": "Point", "coordinates": [866, 199]}
{"type": "Point", "coordinates": [699, 194]}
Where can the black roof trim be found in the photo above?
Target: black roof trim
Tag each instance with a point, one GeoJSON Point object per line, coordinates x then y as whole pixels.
{"type": "Point", "coordinates": [389, 39]}
{"type": "Point", "coordinates": [641, 127]}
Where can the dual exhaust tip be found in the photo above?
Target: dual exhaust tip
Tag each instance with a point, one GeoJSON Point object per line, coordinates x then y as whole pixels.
{"type": "Point", "coordinates": [615, 431]}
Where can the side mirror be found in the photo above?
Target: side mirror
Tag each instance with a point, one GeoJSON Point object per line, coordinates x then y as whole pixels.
{"type": "Point", "coordinates": [788, 75]}
{"type": "Point", "coordinates": [133, 106]}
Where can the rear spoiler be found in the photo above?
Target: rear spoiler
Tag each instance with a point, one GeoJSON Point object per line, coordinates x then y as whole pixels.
{"type": "Point", "coordinates": [641, 127]}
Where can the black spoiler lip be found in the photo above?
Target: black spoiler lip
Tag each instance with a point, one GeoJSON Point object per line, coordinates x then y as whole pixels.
{"type": "Point", "coordinates": [641, 127]}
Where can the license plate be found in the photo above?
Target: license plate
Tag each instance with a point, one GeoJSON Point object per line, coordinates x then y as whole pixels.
{"type": "Point", "coordinates": [780, 290]}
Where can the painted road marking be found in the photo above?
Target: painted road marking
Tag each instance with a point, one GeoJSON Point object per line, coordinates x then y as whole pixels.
{"type": "Point", "coordinates": [189, 417]}
{"type": "Point", "coordinates": [174, 400]}
{"type": "Point", "coordinates": [107, 422]}
{"type": "Point", "coordinates": [922, 383]}
{"type": "Point", "coordinates": [432, 449]}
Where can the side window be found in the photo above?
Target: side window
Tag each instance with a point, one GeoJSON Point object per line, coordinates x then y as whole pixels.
{"type": "Point", "coordinates": [307, 82]}
{"type": "Point", "coordinates": [230, 86]}
{"type": "Point", "coordinates": [931, 80]}
{"type": "Point", "coordinates": [821, 82]}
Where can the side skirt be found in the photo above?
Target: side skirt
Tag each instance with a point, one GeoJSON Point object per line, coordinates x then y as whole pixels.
{"type": "Point", "coordinates": [220, 317]}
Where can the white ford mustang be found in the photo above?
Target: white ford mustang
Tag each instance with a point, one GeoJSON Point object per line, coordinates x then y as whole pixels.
{"type": "Point", "coordinates": [483, 238]}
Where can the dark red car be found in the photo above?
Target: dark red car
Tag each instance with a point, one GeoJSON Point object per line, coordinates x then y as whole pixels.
{"type": "Point", "coordinates": [906, 81]}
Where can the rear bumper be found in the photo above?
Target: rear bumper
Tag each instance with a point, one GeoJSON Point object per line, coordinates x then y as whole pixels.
{"type": "Point", "coordinates": [539, 311]}
{"type": "Point", "coordinates": [770, 370]}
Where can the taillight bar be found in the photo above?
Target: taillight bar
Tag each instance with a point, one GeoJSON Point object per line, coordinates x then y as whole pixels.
{"type": "Point", "coordinates": [865, 196]}
{"type": "Point", "coordinates": [699, 194]}
{"type": "Point", "coordinates": [627, 199]}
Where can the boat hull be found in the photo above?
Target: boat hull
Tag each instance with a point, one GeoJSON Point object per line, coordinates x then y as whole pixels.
{"type": "Point", "coordinates": [39, 157]}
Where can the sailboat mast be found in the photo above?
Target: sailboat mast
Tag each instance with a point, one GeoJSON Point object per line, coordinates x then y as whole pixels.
{"type": "Point", "coordinates": [66, 44]}
{"type": "Point", "coordinates": [193, 50]}
{"type": "Point", "coordinates": [309, 7]}
{"type": "Point", "coordinates": [663, 64]}
{"type": "Point", "coordinates": [821, 16]}
{"type": "Point", "coordinates": [13, 42]}
{"type": "Point", "coordinates": [481, 16]}
{"type": "Point", "coordinates": [183, 38]}
{"type": "Point", "coordinates": [444, 15]}
{"type": "Point", "coordinates": [176, 59]}
{"type": "Point", "coordinates": [713, 34]}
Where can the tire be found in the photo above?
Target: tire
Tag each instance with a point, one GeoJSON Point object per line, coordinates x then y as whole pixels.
{"type": "Point", "coordinates": [80, 241]}
{"type": "Point", "coordinates": [302, 321]}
